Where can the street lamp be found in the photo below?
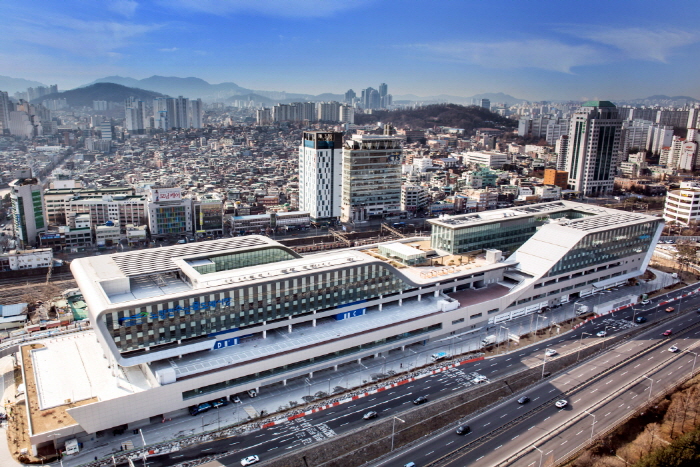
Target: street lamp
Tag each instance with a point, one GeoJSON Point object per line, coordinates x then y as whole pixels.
{"type": "Point", "coordinates": [650, 386]}
{"type": "Point", "coordinates": [581, 343]}
{"type": "Point", "coordinates": [393, 430]}
{"type": "Point", "coordinates": [605, 330]}
{"type": "Point", "coordinates": [541, 454]}
{"type": "Point", "coordinates": [537, 324]}
{"type": "Point", "coordinates": [544, 360]}
{"type": "Point", "coordinates": [592, 424]}
{"type": "Point", "coordinates": [143, 440]}
{"type": "Point", "coordinates": [694, 360]}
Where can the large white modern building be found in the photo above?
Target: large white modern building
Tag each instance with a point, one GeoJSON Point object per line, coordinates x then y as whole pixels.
{"type": "Point", "coordinates": [180, 325]}
{"type": "Point", "coordinates": [320, 174]}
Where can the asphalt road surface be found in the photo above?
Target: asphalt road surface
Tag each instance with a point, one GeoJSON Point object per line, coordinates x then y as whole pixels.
{"type": "Point", "coordinates": [545, 418]}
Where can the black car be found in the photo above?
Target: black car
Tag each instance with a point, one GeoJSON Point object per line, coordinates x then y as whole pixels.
{"type": "Point", "coordinates": [420, 400]}
{"type": "Point", "coordinates": [463, 430]}
{"type": "Point", "coordinates": [523, 400]}
{"type": "Point", "coordinates": [640, 319]}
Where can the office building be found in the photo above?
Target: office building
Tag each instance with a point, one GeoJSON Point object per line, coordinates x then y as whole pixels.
{"type": "Point", "coordinates": [556, 177]}
{"type": "Point", "coordinates": [371, 177]}
{"type": "Point", "coordinates": [320, 174]}
{"type": "Point", "coordinates": [594, 143]}
{"type": "Point", "coordinates": [683, 206]}
{"type": "Point", "coordinates": [491, 159]}
{"type": "Point", "coordinates": [208, 212]}
{"type": "Point", "coordinates": [485, 104]}
{"type": "Point", "coordinates": [106, 131]}
{"type": "Point", "coordinates": [186, 324]}
{"type": "Point", "coordinates": [27, 209]}
{"type": "Point", "coordinates": [169, 214]}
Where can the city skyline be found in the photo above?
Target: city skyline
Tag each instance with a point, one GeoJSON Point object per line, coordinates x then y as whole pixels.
{"type": "Point", "coordinates": [529, 51]}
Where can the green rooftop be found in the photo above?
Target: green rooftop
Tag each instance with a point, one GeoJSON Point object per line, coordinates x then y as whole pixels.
{"type": "Point", "coordinates": [598, 104]}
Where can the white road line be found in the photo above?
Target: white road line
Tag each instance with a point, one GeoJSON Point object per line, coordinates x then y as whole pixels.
{"type": "Point", "coordinates": [430, 453]}
{"type": "Point", "coordinates": [607, 414]}
{"type": "Point", "coordinates": [562, 444]}
{"type": "Point", "coordinates": [498, 447]}
{"type": "Point", "coordinates": [515, 436]}
{"type": "Point", "coordinates": [579, 432]}
{"type": "Point", "coordinates": [530, 428]}
{"type": "Point", "coordinates": [546, 419]}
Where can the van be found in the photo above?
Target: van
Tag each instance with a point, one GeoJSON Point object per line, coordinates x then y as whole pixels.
{"type": "Point", "coordinates": [252, 393]}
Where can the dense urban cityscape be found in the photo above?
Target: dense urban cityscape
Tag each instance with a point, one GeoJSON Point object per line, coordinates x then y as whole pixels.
{"type": "Point", "coordinates": [406, 271]}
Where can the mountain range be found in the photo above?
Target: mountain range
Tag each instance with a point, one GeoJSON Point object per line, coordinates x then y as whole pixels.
{"type": "Point", "coordinates": [13, 85]}
{"type": "Point", "coordinates": [110, 92]}
{"type": "Point", "coordinates": [194, 88]}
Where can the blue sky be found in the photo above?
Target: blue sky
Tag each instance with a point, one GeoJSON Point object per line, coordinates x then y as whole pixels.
{"type": "Point", "coordinates": [530, 49]}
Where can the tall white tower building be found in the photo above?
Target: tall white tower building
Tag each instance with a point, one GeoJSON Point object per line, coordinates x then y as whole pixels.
{"type": "Point", "coordinates": [594, 142]}
{"type": "Point", "coordinates": [320, 174]}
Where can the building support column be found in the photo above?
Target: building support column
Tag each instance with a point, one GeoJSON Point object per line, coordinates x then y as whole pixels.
{"type": "Point", "coordinates": [284, 382]}
{"type": "Point", "coordinates": [289, 328]}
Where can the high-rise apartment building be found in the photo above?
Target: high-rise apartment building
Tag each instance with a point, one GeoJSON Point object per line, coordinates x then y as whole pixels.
{"type": "Point", "coordinates": [485, 104]}
{"type": "Point", "coordinates": [175, 113]}
{"type": "Point", "coordinates": [320, 174]}
{"type": "Point", "coordinates": [371, 177]}
{"type": "Point", "coordinates": [5, 108]}
{"type": "Point", "coordinates": [135, 112]}
{"type": "Point", "coordinates": [594, 142]}
{"type": "Point", "coordinates": [562, 150]}
{"type": "Point", "coordinates": [350, 96]}
{"type": "Point", "coordinates": [370, 98]}
{"type": "Point", "coordinates": [328, 111]}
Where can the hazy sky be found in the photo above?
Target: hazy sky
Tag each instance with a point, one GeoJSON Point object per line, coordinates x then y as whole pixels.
{"type": "Point", "coordinates": [532, 49]}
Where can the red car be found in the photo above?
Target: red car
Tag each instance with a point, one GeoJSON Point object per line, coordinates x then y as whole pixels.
{"type": "Point", "coordinates": [668, 332]}
{"type": "Point", "coordinates": [670, 309]}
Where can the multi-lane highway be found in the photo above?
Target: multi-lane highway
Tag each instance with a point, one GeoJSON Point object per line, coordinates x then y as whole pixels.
{"type": "Point", "coordinates": [500, 434]}
{"type": "Point", "coordinates": [275, 441]}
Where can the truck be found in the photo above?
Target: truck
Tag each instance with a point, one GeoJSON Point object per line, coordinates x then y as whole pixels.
{"type": "Point", "coordinates": [436, 357]}
{"type": "Point", "coordinates": [582, 309]}
{"type": "Point", "coordinates": [488, 340]}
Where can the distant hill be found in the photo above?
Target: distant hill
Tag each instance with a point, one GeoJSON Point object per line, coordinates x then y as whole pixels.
{"type": "Point", "coordinates": [173, 86]}
{"type": "Point", "coordinates": [251, 97]}
{"type": "Point", "coordinates": [660, 99]}
{"type": "Point", "coordinates": [451, 115]}
{"type": "Point", "coordinates": [13, 85]}
{"type": "Point", "coordinates": [110, 92]}
{"type": "Point", "coordinates": [494, 97]}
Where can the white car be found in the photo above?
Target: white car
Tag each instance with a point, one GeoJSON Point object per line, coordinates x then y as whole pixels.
{"type": "Point", "coordinates": [250, 460]}
{"type": "Point", "coordinates": [673, 349]}
{"type": "Point", "coordinates": [479, 379]}
{"type": "Point", "coordinates": [550, 352]}
{"type": "Point", "coordinates": [560, 404]}
{"type": "Point", "coordinates": [602, 334]}
{"type": "Point", "coordinates": [646, 302]}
